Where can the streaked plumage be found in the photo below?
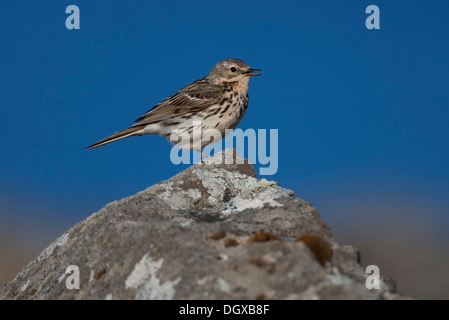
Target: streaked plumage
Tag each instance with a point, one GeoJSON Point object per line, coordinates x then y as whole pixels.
{"type": "Point", "coordinates": [218, 100]}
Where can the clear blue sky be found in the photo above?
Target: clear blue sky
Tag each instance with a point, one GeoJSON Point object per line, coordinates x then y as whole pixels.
{"type": "Point", "coordinates": [363, 115]}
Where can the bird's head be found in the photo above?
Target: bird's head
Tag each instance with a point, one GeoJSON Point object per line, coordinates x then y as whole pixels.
{"type": "Point", "coordinates": [232, 70]}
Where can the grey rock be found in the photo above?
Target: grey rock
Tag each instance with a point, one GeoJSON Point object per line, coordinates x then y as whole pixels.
{"type": "Point", "coordinates": [162, 243]}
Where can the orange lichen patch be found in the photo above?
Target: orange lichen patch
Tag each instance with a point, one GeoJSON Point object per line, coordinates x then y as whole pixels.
{"type": "Point", "coordinates": [99, 274]}
{"type": "Point", "coordinates": [231, 242]}
{"type": "Point", "coordinates": [261, 263]}
{"type": "Point", "coordinates": [217, 235]}
{"type": "Point", "coordinates": [260, 296]}
{"type": "Point", "coordinates": [261, 236]}
{"type": "Point", "coordinates": [320, 248]}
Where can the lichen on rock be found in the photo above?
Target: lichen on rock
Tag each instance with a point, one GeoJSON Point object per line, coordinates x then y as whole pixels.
{"type": "Point", "coordinates": [213, 231]}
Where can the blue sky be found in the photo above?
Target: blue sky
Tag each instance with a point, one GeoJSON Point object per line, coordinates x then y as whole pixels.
{"type": "Point", "coordinates": [362, 114]}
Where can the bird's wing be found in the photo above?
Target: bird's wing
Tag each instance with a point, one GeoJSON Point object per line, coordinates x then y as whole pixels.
{"type": "Point", "coordinates": [192, 98]}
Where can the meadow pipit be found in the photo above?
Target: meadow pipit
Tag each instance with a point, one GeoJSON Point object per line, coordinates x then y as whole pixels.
{"type": "Point", "coordinates": [217, 101]}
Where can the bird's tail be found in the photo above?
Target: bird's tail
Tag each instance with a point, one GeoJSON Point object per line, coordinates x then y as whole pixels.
{"type": "Point", "coordinates": [117, 136]}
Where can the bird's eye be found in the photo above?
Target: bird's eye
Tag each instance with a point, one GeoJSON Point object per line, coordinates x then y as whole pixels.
{"type": "Point", "coordinates": [233, 69]}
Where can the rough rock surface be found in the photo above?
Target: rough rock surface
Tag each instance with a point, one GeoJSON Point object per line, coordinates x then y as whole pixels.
{"type": "Point", "coordinates": [197, 236]}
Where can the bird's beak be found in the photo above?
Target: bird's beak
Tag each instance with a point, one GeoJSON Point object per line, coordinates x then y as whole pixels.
{"type": "Point", "coordinates": [250, 73]}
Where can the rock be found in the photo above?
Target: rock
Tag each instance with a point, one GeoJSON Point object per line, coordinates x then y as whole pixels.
{"type": "Point", "coordinates": [213, 231]}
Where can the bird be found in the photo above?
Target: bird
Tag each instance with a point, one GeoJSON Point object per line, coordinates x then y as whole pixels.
{"type": "Point", "coordinates": [217, 101]}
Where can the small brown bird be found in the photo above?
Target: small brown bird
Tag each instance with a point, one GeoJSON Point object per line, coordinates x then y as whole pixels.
{"type": "Point", "coordinates": [217, 101]}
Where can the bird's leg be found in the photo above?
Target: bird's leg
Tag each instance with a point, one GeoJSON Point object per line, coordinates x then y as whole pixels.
{"type": "Point", "coordinates": [203, 155]}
